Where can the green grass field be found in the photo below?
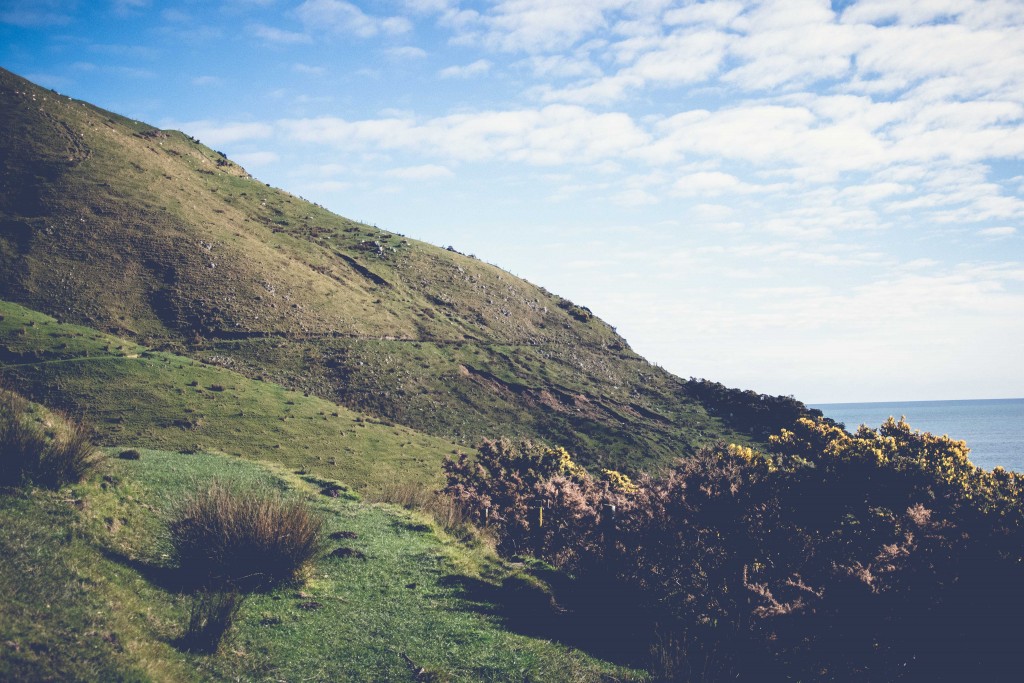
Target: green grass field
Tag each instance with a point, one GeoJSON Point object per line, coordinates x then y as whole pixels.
{"type": "Point", "coordinates": [86, 593]}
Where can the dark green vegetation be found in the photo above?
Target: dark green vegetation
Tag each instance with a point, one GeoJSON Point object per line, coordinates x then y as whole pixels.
{"type": "Point", "coordinates": [879, 556]}
{"type": "Point", "coordinates": [243, 539]}
{"type": "Point", "coordinates": [150, 236]}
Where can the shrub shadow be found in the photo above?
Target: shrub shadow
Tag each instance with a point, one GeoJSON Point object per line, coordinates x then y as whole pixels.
{"type": "Point", "coordinates": [582, 617]}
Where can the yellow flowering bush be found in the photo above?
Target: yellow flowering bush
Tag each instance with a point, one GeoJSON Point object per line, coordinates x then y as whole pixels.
{"type": "Point", "coordinates": [881, 554]}
{"type": "Point", "coordinates": [619, 482]}
{"type": "Point", "coordinates": [564, 463]}
{"type": "Point", "coordinates": [752, 456]}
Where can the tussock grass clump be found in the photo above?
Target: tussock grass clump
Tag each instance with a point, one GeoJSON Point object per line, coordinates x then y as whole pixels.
{"type": "Point", "coordinates": [244, 540]}
{"type": "Point", "coordinates": [32, 456]}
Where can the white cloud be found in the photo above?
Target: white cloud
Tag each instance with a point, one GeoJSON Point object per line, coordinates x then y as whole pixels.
{"type": "Point", "coordinates": [122, 71]}
{"type": "Point", "coordinates": [331, 186]}
{"type": "Point", "coordinates": [214, 133]}
{"type": "Point", "coordinates": [707, 183]}
{"type": "Point", "coordinates": [309, 70]}
{"type": "Point", "coordinates": [406, 52]}
{"type": "Point", "coordinates": [429, 6]}
{"type": "Point", "coordinates": [129, 7]}
{"type": "Point", "coordinates": [873, 192]}
{"type": "Point", "coordinates": [424, 172]}
{"type": "Point", "coordinates": [663, 61]}
{"type": "Point", "coordinates": [561, 66]}
{"type": "Point", "coordinates": [555, 134]}
{"type": "Point", "coordinates": [480, 66]}
{"type": "Point", "coordinates": [913, 13]}
{"type": "Point", "coordinates": [272, 34]}
{"type": "Point", "coordinates": [255, 159]}
{"type": "Point", "coordinates": [634, 197]}
{"type": "Point", "coordinates": [1002, 231]}
{"type": "Point", "coordinates": [344, 17]}
{"type": "Point", "coordinates": [207, 81]}
{"type": "Point", "coordinates": [543, 25]}
{"type": "Point", "coordinates": [35, 14]}
{"type": "Point", "coordinates": [719, 14]}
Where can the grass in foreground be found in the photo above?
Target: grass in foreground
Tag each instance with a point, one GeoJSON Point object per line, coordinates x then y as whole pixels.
{"type": "Point", "coordinates": [242, 540]}
{"type": "Point", "coordinates": [385, 601]}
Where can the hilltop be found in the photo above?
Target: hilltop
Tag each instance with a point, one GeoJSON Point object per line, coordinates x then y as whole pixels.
{"type": "Point", "coordinates": [151, 236]}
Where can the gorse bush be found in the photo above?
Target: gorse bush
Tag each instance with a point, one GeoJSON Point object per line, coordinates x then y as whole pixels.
{"type": "Point", "coordinates": [875, 556]}
{"type": "Point", "coordinates": [30, 455]}
{"type": "Point", "coordinates": [243, 540]}
{"type": "Point", "coordinates": [511, 488]}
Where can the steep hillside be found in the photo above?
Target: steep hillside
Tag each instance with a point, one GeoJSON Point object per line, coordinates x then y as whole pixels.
{"type": "Point", "coordinates": [149, 235]}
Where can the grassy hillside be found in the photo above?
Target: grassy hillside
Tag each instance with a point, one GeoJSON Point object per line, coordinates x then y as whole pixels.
{"type": "Point", "coordinates": [153, 237]}
{"type": "Point", "coordinates": [87, 592]}
{"type": "Point", "coordinates": [160, 400]}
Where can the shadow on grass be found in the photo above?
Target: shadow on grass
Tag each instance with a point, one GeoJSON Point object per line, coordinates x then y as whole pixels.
{"type": "Point", "coordinates": [583, 618]}
{"type": "Point", "coordinates": [168, 578]}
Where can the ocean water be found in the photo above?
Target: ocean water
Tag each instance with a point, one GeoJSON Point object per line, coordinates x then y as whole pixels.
{"type": "Point", "coordinates": [993, 428]}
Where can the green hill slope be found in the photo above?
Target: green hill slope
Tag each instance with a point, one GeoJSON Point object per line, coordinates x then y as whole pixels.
{"type": "Point", "coordinates": [160, 400]}
{"type": "Point", "coordinates": [151, 236]}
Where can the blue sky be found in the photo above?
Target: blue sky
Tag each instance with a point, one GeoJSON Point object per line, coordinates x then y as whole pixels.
{"type": "Point", "coordinates": [798, 197]}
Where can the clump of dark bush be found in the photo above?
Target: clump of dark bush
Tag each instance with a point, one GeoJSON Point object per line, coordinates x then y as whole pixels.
{"type": "Point", "coordinates": [753, 414]}
{"type": "Point", "coordinates": [30, 454]}
{"type": "Point", "coordinates": [878, 556]}
{"type": "Point", "coordinates": [243, 540]}
{"type": "Point", "coordinates": [230, 543]}
{"type": "Point", "coordinates": [129, 454]}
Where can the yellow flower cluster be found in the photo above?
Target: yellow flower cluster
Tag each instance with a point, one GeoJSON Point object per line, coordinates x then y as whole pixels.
{"type": "Point", "coordinates": [619, 482]}
{"type": "Point", "coordinates": [566, 466]}
{"type": "Point", "coordinates": [893, 444]}
{"type": "Point", "coordinates": [752, 456]}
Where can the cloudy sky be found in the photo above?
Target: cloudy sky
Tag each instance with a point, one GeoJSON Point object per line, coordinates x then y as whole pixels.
{"type": "Point", "coordinates": [795, 196]}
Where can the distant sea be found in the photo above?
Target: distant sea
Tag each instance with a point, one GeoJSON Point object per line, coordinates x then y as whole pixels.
{"type": "Point", "coordinates": [993, 428]}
